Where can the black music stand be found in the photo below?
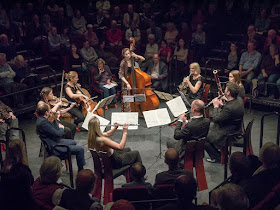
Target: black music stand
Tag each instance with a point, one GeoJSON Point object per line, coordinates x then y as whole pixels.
{"type": "Point", "coordinates": [187, 103]}
{"type": "Point", "coordinates": [104, 102]}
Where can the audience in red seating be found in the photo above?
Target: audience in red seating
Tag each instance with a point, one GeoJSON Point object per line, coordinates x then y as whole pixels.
{"type": "Point", "coordinates": [91, 36]}
{"type": "Point", "coordinates": [130, 16]}
{"type": "Point", "coordinates": [262, 22]}
{"type": "Point", "coordinates": [156, 31]}
{"type": "Point", "coordinates": [7, 47]}
{"type": "Point", "coordinates": [103, 52]}
{"type": "Point", "coordinates": [164, 51]}
{"type": "Point", "coordinates": [122, 205]}
{"type": "Point", "coordinates": [272, 38]}
{"type": "Point", "coordinates": [133, 32]}
{"type": "Point", "coordinates": [253, 35]}
{"type": "Point", "coordinates": [78, 24]}
{"type": "Point", "coordinates": [44, 186]}
{"type": "Point", "coordinates": [114, 35]}
{"type": "Point", "coordinates": [171, 34]}
{"type": "Point", "coordinates": [89, 55]}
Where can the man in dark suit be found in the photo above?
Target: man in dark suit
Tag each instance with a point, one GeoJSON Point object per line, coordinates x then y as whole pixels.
{"type": "Point", "coordinates": [195, 129]}
{"type": "Point", "coordinates": [158, 72]}
{"type": "Point", "coordinates": [52, 133]}
{"type": "Point", "coordinates": [168, 177]}
{"type": "Point", "coordinates": [226, 121]}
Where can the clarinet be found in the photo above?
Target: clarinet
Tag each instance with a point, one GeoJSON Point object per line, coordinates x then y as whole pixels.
{"type": "Point", "coordinates": [220, 90]}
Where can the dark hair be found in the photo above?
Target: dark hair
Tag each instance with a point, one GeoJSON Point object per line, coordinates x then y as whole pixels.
{"type": "Point", "coordinates": [239, 164]}
{"type": "Point", "coordinates": [233, 89]}
{"type": "Point", "coordinates": [42, 108]}
{"type": "Point", "coordinates": [138, 171]}
{"type": "Point", "coordinates": [185, 44]}
{"type": "Point", "coordinates": [164, 42]}
{"type": "Point", "coordinates": [186, 186]}
{"type": "Point", "coordinates": [85, 180]}
{"type": "Point", "coordinates": [122, 204]}
{"type": "Point", "coordinates": [45, 92]}
{"type": "Point", "coordinates": [171, 157]}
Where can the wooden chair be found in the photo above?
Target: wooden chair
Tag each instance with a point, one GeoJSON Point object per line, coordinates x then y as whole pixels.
{"type": "Point", "coordinates": [98, 171]}
{"type": "Point", "coordinates": [193, 158]}
{"type": "Point", "coordinates": [162, 192]}
{"type": "Point", "coordinates": [2, 143]}
{"type": "Point", "coordinates": [206, 88]}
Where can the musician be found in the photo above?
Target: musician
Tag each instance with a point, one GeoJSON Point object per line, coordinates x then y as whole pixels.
{"type": "Point", "coordinates": [234, 77]}
{"type": "Point", "coordinates": [52, 134]}
{"type": "Point", "coordinates": [71, 95]}
{"type": "Point", "coordinates": [119, 155]}
{"type": "Point", "coordinates": [124, 72]}
{"type": "Point", "coordinates": [196, 128]}
{"type": "Point", "coordinates": [227, 120]}
{"type": "Point", "coordinates": [48, 97]}
{"type": "Point", "coordinates": [193, 83]}
{"type": "Point", "coordinates": [103, 76]}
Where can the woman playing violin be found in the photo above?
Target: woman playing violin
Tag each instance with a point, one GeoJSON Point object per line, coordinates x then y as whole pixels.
{"type": "Point", "coordinates": [71, 95]}
{"type": "Point", "coordinates": [48, 97]}
{"type": "Point", "coordinates": [124, 72]}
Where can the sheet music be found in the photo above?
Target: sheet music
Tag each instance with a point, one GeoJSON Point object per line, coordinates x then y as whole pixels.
{"type": "Point", "coordinates": [157, 117]}
{"type": "Point", "coordinates": [110, 86]}
{"type": "Point", "coordinates": [103, 122]}
{"type": "Point", "coordinates": [125, 117]}
{"type": "Point", "coordinates": [163, 95]}
{"type": "Point", "coordinates": [177, 106]}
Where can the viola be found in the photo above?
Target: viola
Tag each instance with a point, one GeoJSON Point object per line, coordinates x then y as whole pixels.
{"type": "Point", "coordinates": [87, 105]}
{"type": "Point", "coordinates": [141, 82]}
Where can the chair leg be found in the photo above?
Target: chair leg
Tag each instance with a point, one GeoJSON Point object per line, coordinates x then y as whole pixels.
{"type": "Point", "coordinates": [97, 188]}
{"type": "Point", "coordinates": [67, 164]}
{"type": "Point", "coordinates": [70, 171]}
{"type": "Point", "coordinates": [127, 176]}
{"type": "Point", "coordinates": [108, 191]}
{"type": "Point", "coordinates": [200, 175]}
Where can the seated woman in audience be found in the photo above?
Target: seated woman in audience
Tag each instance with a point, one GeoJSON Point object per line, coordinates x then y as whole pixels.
{"type": "Point", "coordinates": [16, 178]}
{"type": "Point", "coordinates": [119, 155]}
{"type": "Point", "coordinates": [262, 22]}
{"type": "Point", "coordinates": [171, 34]}
{"type": "Point", "coordinates": [164, 51]}
{"type": "Point", "coordinates": [45, 185]}
{"type": "Point", "coordinates": [193, 84]}
{"type": "Point", "coordinates": [104, 77]}
{"type": "Point", "coordinates": [233, 59]}
{"type": "Point", "coordinates": [65, 39]}
{"type": "Point", "coordinates": [78, 24]}
{"type": "Point", "coordinates": [234, 76]}
{"type": "Point", "coordinates": [198, 43]}
{"type": "Point", "coordinates": [76, 61]}
{"type": "Point", "coordinates": [107, 55]}
{"type": "Point", "coordinates": [181, 53]}
{"type": "Point", "coordinates": [91, 36]}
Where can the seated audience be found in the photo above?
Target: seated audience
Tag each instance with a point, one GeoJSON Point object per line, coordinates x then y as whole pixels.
{"type": "Point", "coordinates": [45, 185]}
{"type": "Point", "coordinates": [52, 8]}
{"type": "Point", "coordinates": [198, 19]}
{"type": "Point", "coordinates": [262, 22]}
{"type": "Point", "coordinates": [101, 22]}
{"type": "Point", "coordinates": [157, 69]}
{"type": "Point", "coordinates": [232, 59]}
{"type": "Point", "coordinates": [272, 38]}
{"type": "Point", "coordinates": [16, 16]}
{"type": "Point", "coordinates": [76, 61]}
{"type": "Point", "coordinates": [133, 32]}
{"type": "Point", "coordinates": [198, 43]}
{"type": "Point", "coordinates": [78, 24]}
{"type": "Point", "coordinates": [171, 34]}
{"type": "Point", "coordinates": [122, 205]}
{"type": "Point", "coordinates": [138, 171]}
{"type": "Point", "coordinates": [156, 31]}
{"type": "Point", "coordinates": [145, 16]}
{"type": "Point", "coordinates": [130, 16]}
{"type": "Point", "coordinates": [253, 35]}
{"type": "Point", "coordinates": [107, 55]}
{"type": "Point", "coordinates": [114, 35]}
{"type": "Point", "coordinates": [16, 178]}
{"type": "Point", "coordinates": [7, 47]}
{"type": "Point", "coordinates": [52, 133]}
{"type": "Point", "coordinates": [80, 198]}
{"type": "Point", "coordinates": [181, 52]}
{"type": "Point", "coordinates": [105, 5]}
{"type": "Point", "coordinates": [103, 76]}
{"type": "Point", "coordinates": [4, 20]}
{"type": "Point", "coordinates": [61, 21]}
{"type": "Point", "coordinates": [117, 16]}
{"type": "Point", "coordinates": [151, 49]}
{"type": "Point", "coordinates": [234, 77]}
{"type": "Point", "coordinates": [185, 33]}
{"type": "Point", "coordinates": [91, 36]}
{"type": "Point", "coordinates": [47, 25]}
{"type": "Point", "coordinates": [270, 72]}
{"type": "Point", "coordinates": [35, 32]}
{"type": "Point", "coordinates": [248, 63]}
{"type": "Point", "coordinates": [171, 15]}
{"type": "Point", "coordinates": [164, 51]}
{"type": "Point", "coordinates": [65, 39]}
{"type": "Point", "coordinates": [185, 189]}
{"type": "Point", "coordinates": [89, 55]}
{"type": "Point", "coordinates": [168, 177]}
{"type": "Point", "coordinates": [55, 44]}
{"type": "Point", "coordinates": [119, 155]}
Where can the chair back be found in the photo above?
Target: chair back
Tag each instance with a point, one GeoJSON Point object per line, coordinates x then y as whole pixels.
{"type": "Point", "coordinates": [189, 155]}
{"type": "Point", "coordinates": [162, 192]}
{"type": "Point", "coordinates": [98, 171]}
{"type": "Point", "coordinates": [247, 147]}
{"type": "Point", "coordinates": [48, 150]}
{"type": "Point", "coordinates": [131, 193]}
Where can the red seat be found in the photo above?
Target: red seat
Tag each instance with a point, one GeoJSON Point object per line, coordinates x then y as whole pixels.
{"type": "Point", "coordinates": [98, 171]}
{"type": "Point", "coordinates": [206, 88]}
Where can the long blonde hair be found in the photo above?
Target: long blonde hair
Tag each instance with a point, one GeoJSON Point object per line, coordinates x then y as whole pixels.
{"type": "Point", "coordinates": [196, 66]}
{"type": "Point", "coordinates": [93, 132]}
{"type": "Point", "coordinates": [69, 76]}
{"type": "Point", "coordinates": [237, 77]}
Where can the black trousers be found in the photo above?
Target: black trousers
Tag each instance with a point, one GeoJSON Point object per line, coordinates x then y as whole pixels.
{"type": "Point", "coordinates": [212, 151]}
{"type": "Point", "coordinates": [125, 157]}
{"type": "Point", "coordinates": [69, 129]}
{"type": "Point", "coordinates": [76, 112]}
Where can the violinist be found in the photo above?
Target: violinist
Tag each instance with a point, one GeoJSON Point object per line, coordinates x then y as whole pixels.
{"type": "Point", "coordinates": [55, 105]}
{"type": "Point", "coordinates": [193, 84]}
{"type": "Point", "coordinates": [71, 95]}
{"type": "Point", "coordinates": [124, 72]}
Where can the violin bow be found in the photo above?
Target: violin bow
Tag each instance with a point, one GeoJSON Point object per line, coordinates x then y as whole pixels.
{"type": "Point", "coordinates": [61, 87]}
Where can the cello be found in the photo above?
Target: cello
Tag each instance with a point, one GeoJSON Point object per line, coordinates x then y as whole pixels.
{"type": "Point", "coordinates": [141, 82]}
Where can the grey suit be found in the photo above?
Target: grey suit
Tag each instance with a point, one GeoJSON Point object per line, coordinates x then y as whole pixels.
{"type": "Point", "coordinates": [162, 75]}
{"type": "Point", "coordinates": [227, 121]}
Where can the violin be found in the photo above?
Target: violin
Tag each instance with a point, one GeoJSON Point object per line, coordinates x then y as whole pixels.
{"type": "Point", "coordinates": [87, 105]}
{"type": "Point", "coordinates": [56, 100]}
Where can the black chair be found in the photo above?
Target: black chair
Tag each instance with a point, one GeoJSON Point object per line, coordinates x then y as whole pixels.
{"type": "Point", "coordinates": [62, 155]}
{"type": "Point", "coordinates": [21, 136]}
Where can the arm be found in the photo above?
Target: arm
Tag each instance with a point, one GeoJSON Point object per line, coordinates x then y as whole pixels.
{"type": "Point", "coordinates": [51, 130]}
{"type": "Point", "coordinates": [63, 111]}
{"type": "Point", "coordinates": [184, 133]}
{"type": "Point", "coordinates": [168, 56]}
{"type": "Point", "coordinates": [186, 52]}
{"type": "Point", "coordinates": [114, 145]}
{"type": "Point", "coordinates": [195, 88]}
{"type": "Point", "coordinates": [220, 117]}
{"type": "Point", "coordinates": [11, 73]}
{"type": "Point", "coordinates": [85, 56]}
{"type": "Point", "coordinates": [164, 72]}
{"type": "Point", "coordinates": [125, 20]}
{"type": "Point", "coordinates": [141, 58]}
{"type": "Point", "coordinates": [52, 44]}
{"type": "Point", "coordinates": [73, 95]}
{"type": "Point", "coordinates": [110, 132]}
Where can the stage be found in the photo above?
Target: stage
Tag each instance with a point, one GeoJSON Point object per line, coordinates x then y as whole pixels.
{"type": "Point", "coordinates": [147, 142]}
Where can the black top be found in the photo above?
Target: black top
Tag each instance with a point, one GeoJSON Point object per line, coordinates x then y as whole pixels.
{"type": "Point", "coordinates": [199, 93]}
{"type": "Point", "coordinates": [73, 89]}
{"type": "Point", "coordinates": [129, 70]}
{"type": "Point", "coordinates": [21, 72]}
{"type": "Point", "coordinates": [75, 61]}
{"type": "Point", "coordinates": [168, 177]}
{"type": "Point", "coordinates": [138, 183]}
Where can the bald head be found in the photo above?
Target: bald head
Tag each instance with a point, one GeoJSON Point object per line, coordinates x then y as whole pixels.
{"type": "Point", "coordinates": [197, 107]}
{"type": "Point", "coordinates": [85, 180]}
{"type": "Point", "coordinates": [155, 58]}
{"type": "Point", "coordinates": [171, 157]}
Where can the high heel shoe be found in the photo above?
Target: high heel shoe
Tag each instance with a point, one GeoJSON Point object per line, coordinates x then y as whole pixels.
{"type": "Point", "coordinates": [106, 107]}
{"type": "Point", "coordinates": [116, 105]}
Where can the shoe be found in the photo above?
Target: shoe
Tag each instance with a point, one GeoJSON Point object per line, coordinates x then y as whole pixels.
{"type": "Point", "coordinates": [106, 107]}
{"type": "Point", "coordinates": [116, 105]}
{"type": "Point", "coordinates": [271, 97]}
{"type": "Point", "coordinates": [212, 160]}
{"type": "Point", "coordinates": [78, 129]}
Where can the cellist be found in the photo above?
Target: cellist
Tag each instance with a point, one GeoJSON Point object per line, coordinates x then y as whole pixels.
{"type": "Point", "coordinates": [124, 72]}
{"type": "Point", "coordinates": [71, 95]}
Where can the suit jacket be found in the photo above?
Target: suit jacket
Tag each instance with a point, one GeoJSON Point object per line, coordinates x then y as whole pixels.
{"type": "Point", "coordinates": [138, 183]}
{"type": "Point", "coordinates": [162, 72]}
{"type": "Point", "coordinates": [197, 128]}
{"type": "Point", "coordinates": [168, 177]}
{"type": "Point", "coordinates": [227, 121]}
{"type": "Point", "coordinates": [50, 132]}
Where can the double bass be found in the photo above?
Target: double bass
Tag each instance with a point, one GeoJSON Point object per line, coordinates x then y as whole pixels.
{"type": "Point", "coordinates": [140, 83]}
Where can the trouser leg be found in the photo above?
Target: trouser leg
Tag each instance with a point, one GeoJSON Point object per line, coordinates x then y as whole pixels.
{"type": "Point", "coordinates": [212, 151]}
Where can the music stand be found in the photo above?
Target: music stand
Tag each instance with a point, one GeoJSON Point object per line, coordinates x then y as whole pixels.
{"type": "Point", "coordinates": [104, 102]}
{"type": "Point", "coordinates": [163, 95]}
{"type": "Point", "coordinates": [184, 98]}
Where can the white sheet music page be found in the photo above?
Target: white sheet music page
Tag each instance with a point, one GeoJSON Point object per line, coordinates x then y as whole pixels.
{"type": "Point", "coordinates": [156, 117]}
{"type": "Point", "coordinates": [177, 106]}
{"type": "Point", "coordinates": [125, 117]}
{"type": "Point", "coordinates": [103, 122]}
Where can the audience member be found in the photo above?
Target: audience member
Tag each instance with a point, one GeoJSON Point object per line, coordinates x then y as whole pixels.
{"type": "Point", "coordinates": [198, 43]}
{"type": "Point", "coordinates": [101, 22]}
{"type": "Point", "coordinates": [164, 51]}
{"type": "Point", "coordinates": [133, 32]}
{"type": "Point", "coordinates": [35, 32]}
{"type": "Point", "coordinates": [79, 198]}
{"type": "Point", "coordinates": [226, 121]}
{"type": "Point", "coordinates": [122, 205]}
{"type": "Point", "coordinates": [47, 25]}
{"type": "Point", "coordinates": [232, 59]}
{"type": "Point", "coordinates": [262, 22]}
{"type": "Point", "coordinates": [170, 34]}
{"type": "Point", "coordinates": [249, 62]}
{"type": "Point", "coordinates": [145, 16]}
{"type": "Point", "coordinates": [151, 48]}
{"type": "Point", "coordinates": [78, 24]}
{"type": "Point", "coordinates": [272, 38]}
{"type": "Point", "coordinates": [17, 21]}
{"type": "Point", "coordinates": [185, 189]}
{"type": "Point", "coordinates": [29, 13]}
{"type": "Point", "coordinates": [114, 35]}
{"type": "Point", "coordinates": [117, 16]}
{"type": "Point", "coordinates": [61, 21]}
{"type": "Point", "coordinates": [16, 178]}
{"type": "Point", "coordinates": [104, 5]}
{"type": "Point", "coordinates": [89, 55]}
{"type": "Point", "coordinates": [55, 44]}
{"type": "Point", "coordinates": [181, 52]}
{"type": "Point", "coordinates": [65, 39]}
{"type": "Point", "coordinates": [107, 55]}
{"type": "Point", "coordinates": [157, 69]}
{"type": "Point", "coordinates": [253, 35]}
{"type": "Point", "coordinates": [270, 73]}
{"type": "Point", "coordinates": [168, 177]}
{"type": "Point", "coordinates": [185, 33]}
{"type": "Point", "coordinates": [51, 133]}
{"type": "Point", "coordinates": [130, 16]}
{"type": "Point", "coordinates": [68, 9]}
{"type": "Point", "coordinates": [44, 186]}
{"type": "Point", "coordinates": [156, 31]}
{"type": "Point", "coordinates": [138, 171]}
{"type": "Point", "coordinates": [4, 20]}
{"type": "Point", "coordinates": [198, 19]}
{"type": "Point", "coordinates": [195, 129]}
{"type": "Point", "coordinates": [171, 15]}
{"type": "Point", "coordinates": [91, 36]}
{"type": "Point", "coordinates": [7, 47]}
{"type": "Point", "coordinates": [52, 8]}
{"type": "Point", "coordinates": [76, 62]}
{"type": "Point", "coordinates": [234, 77]}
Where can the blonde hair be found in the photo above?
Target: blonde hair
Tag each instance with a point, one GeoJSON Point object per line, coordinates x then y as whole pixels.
{"type": "Point", "coordinates": [100, 60]}
{"type": "Point", "coordinates": [45, 92]}
{"type": "Point", "coordinates": [50, 170]}
{"type": "Point", "coordinates": [269, 155]}
{"type": "Point", "coordinates": [93, 132]}
{"type": "Point", "coordinates": [124, 50]}
{"type": "Point", "coordinates": [18, 58]}
{"type": "Point", "coordinates": [196, 66]}
{"type": "Point", "coordinates": [70, 75]}
{"type": "Point", "coordinates": [2, 55]}
{"type": "Point", "coordinates": [237, 77]}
